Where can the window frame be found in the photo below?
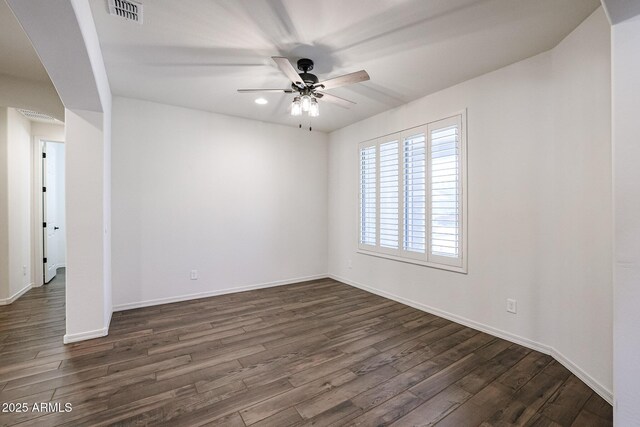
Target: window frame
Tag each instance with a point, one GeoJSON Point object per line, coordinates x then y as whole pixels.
{"type": "Point", "coordinates": [395, 137]}
{"type": "Point", "coordinates": [364, 246]}
{"type": "Point", "coordinates": [458, 265]}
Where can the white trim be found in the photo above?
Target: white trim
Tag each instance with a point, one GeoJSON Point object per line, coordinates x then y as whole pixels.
{"type": "Point", "coordinates": [459, 264]}
{"type": "Point", "coordinates": [7, 301]}
{"type": "Point", "coordinates": [601, 390]}
{"type": "Point", "coordinates": [109, 322]}
{"type": "Point", "coordinates": [605, 393]}
{"type": "Point", "coordinates": [412, 261]}
{"type": "Point", "coordinates": [82, 336]}
{"type": "Point", "coordinates": [37, 241]}
{"type": "Point", "coordinates": [36, 211]}
{"type": "Point", "coordinates": [178, 298]}
{"type": "Point", "coordinates": [603, 3]}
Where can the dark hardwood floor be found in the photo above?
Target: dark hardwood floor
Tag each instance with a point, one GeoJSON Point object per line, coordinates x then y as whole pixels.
{"type": "Point", "coordinates": [311, 354]}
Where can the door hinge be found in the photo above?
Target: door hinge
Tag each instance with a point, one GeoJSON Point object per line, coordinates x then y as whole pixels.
{"type": "Point", "coordinates": [44, 260]}
{"type": "Point", "coordinates": [44, 189]}
{"type": "Point", "coordinates": [44, 225]}
{"type": "Point", "coordinates": [44, 155]}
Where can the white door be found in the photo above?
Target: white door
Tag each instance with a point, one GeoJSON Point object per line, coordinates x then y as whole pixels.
{"type": "Point", "coordinates": [50, 208]}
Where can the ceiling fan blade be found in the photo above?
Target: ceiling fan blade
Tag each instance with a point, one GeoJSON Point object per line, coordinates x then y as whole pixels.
{"type": "Point", "coordinates": [266, 90]}
{"type": "Point", "coordinates": [344, 103]}
{"type": "Point", "coordinates": [347, 79]}
{"type": "Point", "coordinates": [288, 70]}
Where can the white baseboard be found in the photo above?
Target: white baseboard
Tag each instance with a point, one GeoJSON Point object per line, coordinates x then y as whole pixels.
{"type": "Point", "coordinates": [82, 336]}
{"type": "Point", "coordinates": [601, 390]}
{"type": "Point", "coordinates": [12, 298]}
{"type": "Point", "coordinates": [178, 298]}
{"type": "Point", "coordinates": [109, 322]}
{"type": "Point", "coordinates": [605, 393]}
{"type": "Point", "coordinates": [88, 335]}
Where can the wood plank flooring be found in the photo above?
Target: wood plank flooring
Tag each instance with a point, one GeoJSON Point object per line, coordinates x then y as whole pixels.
{"type": "Point", "coordinates": [311, 354]}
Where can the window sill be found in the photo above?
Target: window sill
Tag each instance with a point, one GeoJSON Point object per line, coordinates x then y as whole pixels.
{"type": "Point", "coordinates": [462, 270]}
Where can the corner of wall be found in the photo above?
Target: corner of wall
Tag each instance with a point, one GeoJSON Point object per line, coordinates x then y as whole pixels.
{"type": "Point", "coordinates": [4, 210]}
{"type": "Point", "coordinates": [510, 236]}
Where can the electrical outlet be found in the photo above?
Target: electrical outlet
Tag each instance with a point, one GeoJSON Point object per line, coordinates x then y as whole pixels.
{"type": "Point", "coordinates": [349, 264]}
{"type": "Point", "coordinates": [24, 270]}
{"type": "Point", "coordinates": [512, 306]}
{"type": "Point", "coordinates": [194, 274]}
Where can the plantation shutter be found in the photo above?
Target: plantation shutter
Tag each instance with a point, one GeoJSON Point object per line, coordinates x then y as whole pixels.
{"type": "Point", "coordinates": [445, 192]}
{"type": "Point", "coordinates": [414, 194]}
{"type": "Point", "coordinates": [368, 187]}
{"type": "Point", "coordinates": [389, 194]}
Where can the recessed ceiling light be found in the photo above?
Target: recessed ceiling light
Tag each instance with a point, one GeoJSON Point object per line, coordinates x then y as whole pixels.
{"type": "Point", "coordinates": [261, 101]}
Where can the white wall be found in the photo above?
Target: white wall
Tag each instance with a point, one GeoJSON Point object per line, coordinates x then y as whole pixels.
{"type": "Point", "coordinates": [84, 160]}
{"type": "Point", "coordinates": [575, 206]}
{"type": "Point", "coordinates": [17, 220]}
{"type": "Point", "coordinates": [15, 199]}
{"type": "Point", "coordinates": [19, 201]}
{"type": "Point", "coordinates": [4, 208]}
{"type": "Point", "coordinates": [49, 131]}
{"type": "Point", "coordinates": [98, 77]}
{"type": "Point", "coordinates": [626, 148]}
{"type": "Point", "coordinates": [538, 204]}
{"type": "Point", "coordinates": [31, 95]}
{"type": "Point", "coordinates": [73, 60]}
{"type": "Point", "coordinates": [107, 288]}
{"type": "Point", "coordinates": [243, 202]}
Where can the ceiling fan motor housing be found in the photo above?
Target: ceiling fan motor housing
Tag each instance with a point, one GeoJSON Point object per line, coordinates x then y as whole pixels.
{"type": "Point", "coordinates": [308, 78]}
{"type": "Point", "coordinates": [305, 64]}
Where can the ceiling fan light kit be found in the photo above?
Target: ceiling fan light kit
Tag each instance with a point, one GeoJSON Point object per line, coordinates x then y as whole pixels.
{"type": "Point", "coordinates": [305, 100]}
{"type": "Point", "coordinates": [296, 107]}
{"type": "Point", "coordinates": [308, 88]}
{"type": "Point", "coordinates": [314, 109]}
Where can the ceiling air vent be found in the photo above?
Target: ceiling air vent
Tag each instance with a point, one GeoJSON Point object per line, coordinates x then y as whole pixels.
{"type": "Point", "coordinates": [126, 9]}
{"type": "Point", "coordinates": [38, 117]}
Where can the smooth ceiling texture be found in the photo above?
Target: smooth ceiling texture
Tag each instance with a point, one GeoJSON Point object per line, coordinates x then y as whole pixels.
{"type": "Point", "coordinates": [197, 53]}
{"type": "Point", "coordinates": [19, 59]}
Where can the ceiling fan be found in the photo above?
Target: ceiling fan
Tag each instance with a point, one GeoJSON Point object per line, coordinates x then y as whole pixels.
{"type": "Point", "coordinates": [308, 89]}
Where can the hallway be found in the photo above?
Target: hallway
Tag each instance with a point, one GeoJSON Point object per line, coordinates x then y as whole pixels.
{"type": "Point", "coordinates": [30, 327]}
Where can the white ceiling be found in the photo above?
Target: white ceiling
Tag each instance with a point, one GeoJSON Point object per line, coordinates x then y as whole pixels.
{"type": "Point", "coordinates": [196, 53]}
{"type": "Point", "coordinates": [621, 10]}
{"type": "Point", "coordinates": [19, 59]}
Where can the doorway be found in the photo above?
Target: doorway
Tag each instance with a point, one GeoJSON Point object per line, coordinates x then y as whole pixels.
{"type": "Point", "coordinates": [53, 209]}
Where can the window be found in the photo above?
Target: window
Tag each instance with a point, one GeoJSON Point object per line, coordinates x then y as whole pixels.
{"type": "Point", "coordinates": [414, 154]}
{"type": "Point", "coordinates": [368, 196]}
{"type": "Point", "coordinates": [389, 169]}
{"type": "Point", "coordinates": [412, 195]}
